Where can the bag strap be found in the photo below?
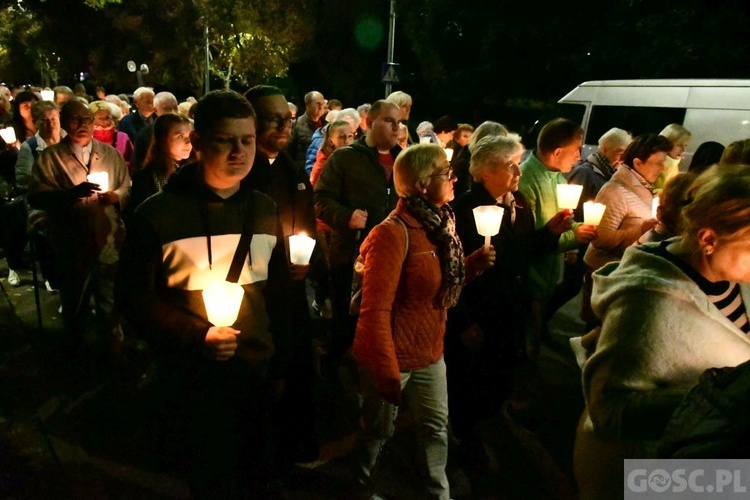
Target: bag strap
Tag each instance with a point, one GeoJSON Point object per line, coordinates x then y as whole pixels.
{"type": "Point", "coordinates": [406, 233]}
{"type": "Point", "coordinates": [243, 246]}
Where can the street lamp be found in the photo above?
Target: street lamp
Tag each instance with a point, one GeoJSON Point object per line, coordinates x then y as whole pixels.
{"type": "Point", "coordinates": [138, 72]}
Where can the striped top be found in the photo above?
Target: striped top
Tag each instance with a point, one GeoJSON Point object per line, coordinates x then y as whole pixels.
{"type": "Point", "coordinates": [725, 295]}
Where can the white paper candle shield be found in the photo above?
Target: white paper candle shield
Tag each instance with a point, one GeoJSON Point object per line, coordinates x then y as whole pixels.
{"type": "Point", "coordinates": [425, 140]}
{"type": "Point", "coordinates": [222, 300]}
{"type": "Point", "coordinates": [101, 178]}
{"type": "Point", "coordinates": [449, 153]}
{"type": "Point", "coordinates": [488, 219]}
{"type": "Point", "coordinates": [568, 195]}
{"type": "Point", "coordinates": [300, 249]}
{"type": "Point", "coordinates": [592, 213]}
{"type": "Point", "coordinates": [654, 206]}
{"type": "Point", "coordinates": [8, 135]}
{"type": "Point", "coordinates": [48, 95]}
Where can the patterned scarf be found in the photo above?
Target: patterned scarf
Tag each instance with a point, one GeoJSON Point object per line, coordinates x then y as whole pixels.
{"type": "Point", "coordinates": [441, 230]}
{"type": "Point", "coordinates": [602, 163]}
{"type": "Point", "coordinates": [644, 182]}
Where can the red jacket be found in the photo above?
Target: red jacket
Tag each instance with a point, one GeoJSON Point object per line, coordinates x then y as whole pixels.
{"type": "Point", "coordinates": [401, 325]}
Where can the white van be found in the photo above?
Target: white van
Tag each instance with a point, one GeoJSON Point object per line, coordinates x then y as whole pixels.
{"type": "Point", "coordinates": [712, 110]}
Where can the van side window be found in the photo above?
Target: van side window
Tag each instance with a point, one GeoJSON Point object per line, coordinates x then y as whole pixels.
{"type": "Point", "coordinates": [636, 120]}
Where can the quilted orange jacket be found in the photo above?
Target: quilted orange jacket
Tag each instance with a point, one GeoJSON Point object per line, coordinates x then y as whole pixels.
{"type": "Point", "coordinates": [401, 325]}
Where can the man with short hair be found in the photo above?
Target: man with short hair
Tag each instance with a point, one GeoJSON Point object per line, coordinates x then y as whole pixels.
{"type": "Point", "coordinates": [206, 227]}
{"type": "Point", "coordinates": [164, 102]}
{"type": "Point", "coordinates": [63, 94]}
{"type": "Point", "coordinates": [274, 174]}
{"type": "Point", "coordinates": [304, 127]}
{"type": "Point", "coordinates": [558, 149]}
{"type": "Point", "coordinates": [444, 128]}
{"type": "Point", "coordinates": [354, 193]}
{"type": "Point", "coordinates": [143, 98]}
{"type": "Point", "coordinates": [84, 223]}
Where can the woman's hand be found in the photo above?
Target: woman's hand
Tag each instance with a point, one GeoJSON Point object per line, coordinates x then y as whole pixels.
{"type": "Point", "coordinates": [560, 222]}
{"type": "Point", "coordinates": [648, 225]}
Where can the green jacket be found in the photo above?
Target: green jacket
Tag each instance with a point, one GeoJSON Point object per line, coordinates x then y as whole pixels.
{"type": "Point", "coordinates": [538, 186]}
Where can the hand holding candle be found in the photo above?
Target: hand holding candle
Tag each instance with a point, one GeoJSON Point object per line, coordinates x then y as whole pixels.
{"type": "Point", "coordinates": [488, 219]}
{"type": "Point", "coordinates": [568, 195]}
{"type": "Point", "coordinates": [101, 178]}
{"type": "Point", "coordinates": [592, 213]}
{"type": "Point", "coordinates": [300, 249]}
{"type": "Point", "coordinates": [222, 300]}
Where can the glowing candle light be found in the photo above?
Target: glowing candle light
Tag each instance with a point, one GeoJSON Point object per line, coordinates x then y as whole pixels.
{"type": "Point", "coordinates": [48, 95]}
{"type": "Point", "coordinates": [488, 219]}
{"type": "Point", "coordinates": [222, 300]}
{"type": "Point", "coordinates": [101, 178]}
{"type": "Point", "coordinates": [8, 135]}
{"type": "Point", "coordinates": [568, 195]}
{"type": "Point", "coordinates": [449, 153]}
{"type": "Point", "coordinates": [300, 249]}
{"type": "Point", "coordinates": [654, 206]}
{"type": "Point", "coordinates": [592, 213]}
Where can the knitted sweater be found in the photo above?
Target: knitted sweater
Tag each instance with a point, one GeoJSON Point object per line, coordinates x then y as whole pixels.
{"type": "Point", "coordinates": [539, 186]}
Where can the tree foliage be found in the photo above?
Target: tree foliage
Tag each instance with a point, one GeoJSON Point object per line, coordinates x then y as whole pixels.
{"type": "Point", "coordinates": [250, 40]}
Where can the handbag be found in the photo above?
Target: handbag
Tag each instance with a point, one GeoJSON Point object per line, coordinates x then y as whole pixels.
{"type": "Point", "coordinates": [359, 270]}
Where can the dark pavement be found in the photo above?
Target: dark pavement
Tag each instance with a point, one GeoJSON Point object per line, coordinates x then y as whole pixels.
{"type": "Point", "coordinates": [68, 434]}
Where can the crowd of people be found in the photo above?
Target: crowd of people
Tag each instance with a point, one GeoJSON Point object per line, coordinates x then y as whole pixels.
{"type": "Point", "coordinates": [136, 215]}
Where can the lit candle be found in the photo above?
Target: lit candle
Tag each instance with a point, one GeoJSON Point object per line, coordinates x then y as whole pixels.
{"type": "Point", "coordinates": [222, 300]}
{"type": "Point", "coordinates": [592, 213]}
{"type": "Point", "coordinates": [488, 219]}
{"type": "Point", "coordinates": [654, 206]}
{"type": "Point", "coordinates": [425, 139]}
{"type": "Point", "coordinates": [48, 95]}
{"type": "Point", "coordinates": [568, 195]}
{"type": "Point", "coordinates": [8, 135]}
{"type": "Point", "coordinates": [449, 153]}
{"type": "Point", "coordinates": [300, 249]}
{"type": "Point", "coordinates": [101, 178]}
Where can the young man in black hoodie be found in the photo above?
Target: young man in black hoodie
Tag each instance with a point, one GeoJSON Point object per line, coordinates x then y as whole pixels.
{"type": "Point", "coordinates": [208, 225]}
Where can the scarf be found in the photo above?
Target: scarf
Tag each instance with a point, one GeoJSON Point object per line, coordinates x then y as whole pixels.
{"type": "Point", "coordinates": [509, 204]}
{"type": "Point", "coordinates": [440, 224]}
{"type": "Point", "coordinates": [644, 182]}
{"type": "Point", "coordinates": [602, 163]}
{"type": "Point", "coordinates": [105, 135]}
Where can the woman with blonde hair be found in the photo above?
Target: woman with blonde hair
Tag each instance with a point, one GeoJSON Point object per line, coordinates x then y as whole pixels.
{"type": "Point", "coordinates": [106, 118]}
{"type": "Point", "coordinates": [414, 271]}
{"type": "Point", "coordinates": [669, 311]}
{"type": "Point", "coordinates": [680, 137]}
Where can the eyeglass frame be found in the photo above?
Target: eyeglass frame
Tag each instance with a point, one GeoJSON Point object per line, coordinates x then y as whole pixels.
{"type": "Point", "coordinates": [279, 122]}
{"type": "Point", "coordinates": [448, 174]}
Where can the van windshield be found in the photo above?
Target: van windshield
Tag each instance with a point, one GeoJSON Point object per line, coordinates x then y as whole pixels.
{"type": "Point", "coordinates": [635, 119]}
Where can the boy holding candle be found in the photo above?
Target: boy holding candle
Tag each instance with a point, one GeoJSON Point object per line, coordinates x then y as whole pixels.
{"type": "Point", "coordinates": [208, 225]}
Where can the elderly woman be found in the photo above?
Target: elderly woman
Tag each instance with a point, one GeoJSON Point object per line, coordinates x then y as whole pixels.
{"type": "Point", "coordinates": [461, 163]}
{"type": "Point", "coordinates": [628, 196]}
{"type": "Point", "coordinates": [413, 272]}
{"type": "Point", "coordinates": [487, 328]}
{"type": "Point", "coordinates": [106, 117]}
{"type": "Point", "coordinates": [669, 311]}
{"type": "Point", "coordinates": [680, 137]}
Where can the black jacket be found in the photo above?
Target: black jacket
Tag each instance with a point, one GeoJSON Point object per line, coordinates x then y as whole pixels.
{"type": "Point", "coordinates": [353, 179]}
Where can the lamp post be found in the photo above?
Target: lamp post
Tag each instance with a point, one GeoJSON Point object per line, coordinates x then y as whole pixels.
{"type": "Point", "coordinates": [139, 72]}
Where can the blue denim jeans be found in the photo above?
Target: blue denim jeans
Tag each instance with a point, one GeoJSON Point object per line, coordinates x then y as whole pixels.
{"type": "Point", "coordinates": [425, 392]}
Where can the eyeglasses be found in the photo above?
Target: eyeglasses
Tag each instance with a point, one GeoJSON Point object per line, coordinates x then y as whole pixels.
{"type": "Point", "coordinates": [81, 119]}
{"type": "Point", "coordinates": [278, 122]}
{"type": "Point", "coordinates": [447, 175]}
